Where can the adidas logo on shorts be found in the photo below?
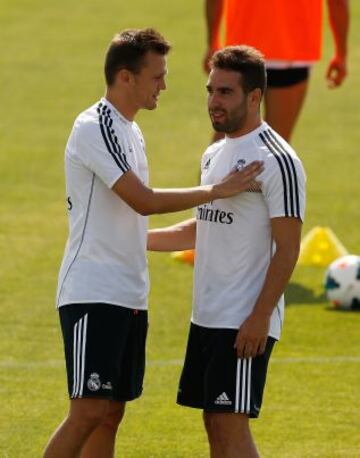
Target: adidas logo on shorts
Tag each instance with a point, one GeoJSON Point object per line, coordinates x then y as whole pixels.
{"type": "Point", "coordinates": [223, 400]}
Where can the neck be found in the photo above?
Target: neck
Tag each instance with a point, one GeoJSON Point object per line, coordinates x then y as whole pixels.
{"type": "Point", "coordinates": [250, 125]}
{"type": "Point", "coordinates": [121, 103]}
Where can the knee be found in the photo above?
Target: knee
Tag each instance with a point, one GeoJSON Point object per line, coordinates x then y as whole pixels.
{"type": "Point", "coordinates": [113, 417]}
{"type": "Point", "coordinates": [207, 421]}
{"type": "Point", "coordinates": [87, 414]}
{"type": "Point", "coordinates": [223, 428]}
{"type": "Point", "coordinates": [213, 427]}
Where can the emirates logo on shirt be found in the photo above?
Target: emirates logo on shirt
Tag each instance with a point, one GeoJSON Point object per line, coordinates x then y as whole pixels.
{"type": "Point", "coordinates": [213, 215]}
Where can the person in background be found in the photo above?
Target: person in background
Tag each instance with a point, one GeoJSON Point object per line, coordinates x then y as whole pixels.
{"type": "Point", "coordinates": [289, 34]}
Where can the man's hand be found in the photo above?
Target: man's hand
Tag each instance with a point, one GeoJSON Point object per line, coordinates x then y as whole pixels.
{"type": "Point", "coordinates": [252, 336]}
{"type": "Point", "coordinates": [206, 61]}
{"type": "Point", "coordinates": [238, 180]}
{"type": "Point", "coordinates": [336, 72]}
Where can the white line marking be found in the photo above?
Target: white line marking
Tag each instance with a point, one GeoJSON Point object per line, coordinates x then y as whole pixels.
{"type": "Point", "coordinates": [13, 364]}
{"type": "Point", "coordinates": [316, 360]}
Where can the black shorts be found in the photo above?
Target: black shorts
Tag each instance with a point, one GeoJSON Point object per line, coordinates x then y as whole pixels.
{"type": "Point", "coordinates": [215, 379]}
{"type": "Point", "coordinates": [104, 350]}
{"type": "Point", "coordinates": [284, 77]}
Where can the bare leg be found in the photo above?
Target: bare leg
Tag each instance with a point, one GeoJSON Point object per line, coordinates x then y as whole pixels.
{"type": "Point", "coordinates": [84, 416]}
{"type": "Point", "coordinates": [283, 106]}
{"type": "Point", "coordinates": [229, 435]}
{"type": "Point", "coordinates": [101, 442]}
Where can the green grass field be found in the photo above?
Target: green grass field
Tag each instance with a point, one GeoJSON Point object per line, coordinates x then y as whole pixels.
{"type": "Point", "coordinates": [51, 69]}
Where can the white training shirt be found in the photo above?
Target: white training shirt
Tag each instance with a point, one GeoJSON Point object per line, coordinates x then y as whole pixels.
{"type": "Point", "coordinates": [233, 237]}
{"type": "Point", "coordinates": [105, 256]}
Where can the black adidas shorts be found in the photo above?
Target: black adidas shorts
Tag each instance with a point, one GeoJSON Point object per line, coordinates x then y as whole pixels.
{"type": "Point", "coordinates": [285, 77]}
{"type": "Point", "coordinates": [215, 379]}
{"type": "Point", "coordinates": [104, 350]}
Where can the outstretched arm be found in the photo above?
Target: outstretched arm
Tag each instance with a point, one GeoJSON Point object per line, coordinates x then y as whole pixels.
{"type": "Point", "coordinates": [178, 237]}
{"type": "Point", "coordinates": [339, 18]}
{"type": "Point", "coordinates": [253, 333]}
{"type": "Point", "coordinates": [148, 201]}
{"type": "Point", "coordinates": [213, 15]}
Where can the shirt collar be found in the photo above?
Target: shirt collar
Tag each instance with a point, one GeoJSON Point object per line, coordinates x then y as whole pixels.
{"type": "Point", "coordinates": [115, 111]}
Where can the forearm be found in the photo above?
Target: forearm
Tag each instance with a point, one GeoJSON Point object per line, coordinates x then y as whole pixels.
{"type": "Point", "coordinates": [252, 336]}
{"type": "Point", "coordinates": [339, 19]}
{"type": "Point", "coordinates": [148, 201]}
{"type": "Point", "coordinates": [178, 237]}
{"type": "Point", "coordinates": [279, 272]}
{"type": "Point", "coordinates": [213, 14]}
{"type": "Point", "coordinates": [173, 200]}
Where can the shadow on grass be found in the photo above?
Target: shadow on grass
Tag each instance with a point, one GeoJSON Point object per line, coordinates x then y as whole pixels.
{"type": "Point", "coordinates": [300, 294]}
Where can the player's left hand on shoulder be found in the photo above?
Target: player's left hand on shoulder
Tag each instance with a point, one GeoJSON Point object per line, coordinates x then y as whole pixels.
{"type": "Point", "coordinates": [252, 336]}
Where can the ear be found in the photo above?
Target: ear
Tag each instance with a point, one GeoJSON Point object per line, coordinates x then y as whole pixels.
{"type": "Point", "coordinates": [124, 76]}
{"type": "Point", "coordinates": [254, 98]}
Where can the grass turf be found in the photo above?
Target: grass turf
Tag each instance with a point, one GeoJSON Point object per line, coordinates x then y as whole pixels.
{"type": "Point", "coordinates": [51, 68]}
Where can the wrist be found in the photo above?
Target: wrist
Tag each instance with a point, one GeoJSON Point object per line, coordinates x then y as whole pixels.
{"type": "Point", "coordinates": [262, 312]}
{"type": "Point", "coordinates": [215, 192]}
{"type": "Point", "coordinates": [341, 55]}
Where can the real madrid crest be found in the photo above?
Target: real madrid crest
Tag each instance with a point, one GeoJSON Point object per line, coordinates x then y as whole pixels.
{"type": "Point", "coordinates": [94, 382]}
{"type": "Point", "coordinates": [240, 164]}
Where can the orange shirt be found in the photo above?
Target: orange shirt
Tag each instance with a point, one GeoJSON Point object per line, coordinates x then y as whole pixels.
{"type": "Point", "coordinates": [281, 29]}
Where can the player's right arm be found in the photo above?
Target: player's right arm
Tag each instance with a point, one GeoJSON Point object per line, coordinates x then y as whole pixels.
{"type": "Point", "coordinates": [178, 237]}
{"type": "Point", "coordinates": [213, 16]}
{"type": "Point", "coordinates": [149, 201]}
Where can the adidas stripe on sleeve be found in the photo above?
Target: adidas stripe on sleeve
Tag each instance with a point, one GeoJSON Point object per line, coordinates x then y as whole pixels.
{"type": "Point", "coordinates": [284, 178]}
{"type": "Point", "coordinates": [100, 147]}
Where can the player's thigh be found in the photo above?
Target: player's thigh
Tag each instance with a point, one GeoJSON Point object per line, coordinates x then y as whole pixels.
{"type": "Point", "coordinates": [232, 384]}
{"type": "Point", "coordinates": [191, 384]}
{"type": "Point", "coordinates": [216, 380]}
{"type": "Point", "coordinates": [229, 424]}
{"type": "Point", "coordinates": [95, 341]}
{"type": "Point", "coordinates": [88, 410]}
{"type": "Point", "coordinates": [284, 98]}
{"type": "Point", "coordinates": [131, 369]}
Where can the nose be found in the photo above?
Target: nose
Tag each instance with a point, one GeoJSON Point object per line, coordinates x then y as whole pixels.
{"type": "Point", "coordinates": [162, 84]}
{"type": "Point", "coordinates": [213, 100]}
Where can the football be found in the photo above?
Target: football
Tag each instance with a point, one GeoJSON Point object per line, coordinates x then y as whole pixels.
{"type": "Point", "coordinates": [342, 282]}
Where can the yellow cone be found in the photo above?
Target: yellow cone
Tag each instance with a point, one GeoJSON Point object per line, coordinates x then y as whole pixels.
{"type": "Point", "coordinates": [320, 247]}
{"type": "Point", "coordinates": [184, 256]}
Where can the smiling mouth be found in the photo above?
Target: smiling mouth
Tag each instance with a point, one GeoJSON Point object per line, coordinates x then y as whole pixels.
{"type": "Point", "coordinates": [216, 116]}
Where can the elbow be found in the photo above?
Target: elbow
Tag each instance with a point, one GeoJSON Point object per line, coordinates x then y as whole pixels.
{"type": "Point", "coordinates": [144, 210]}
{"type": "Point", "coordinates": [149, 206]}
{"type": "Point", "coordinates": [289, 254]}
{"type": "Point", "coordinates": [144, 206]}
